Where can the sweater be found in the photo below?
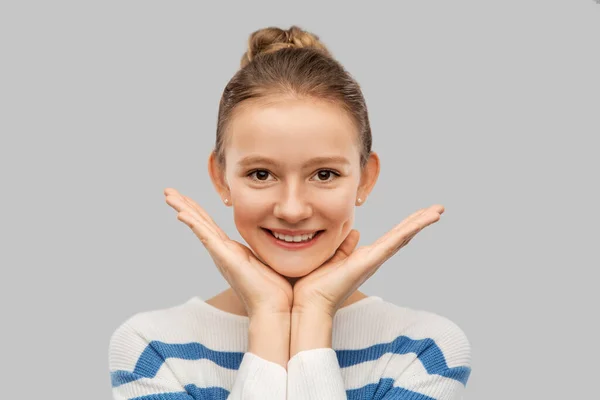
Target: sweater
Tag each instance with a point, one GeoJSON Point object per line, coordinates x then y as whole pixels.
{"type": "Point", "coordinates": [195, 351]}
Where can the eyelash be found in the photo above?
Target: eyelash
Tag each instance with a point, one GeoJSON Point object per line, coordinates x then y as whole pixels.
{"type": "Point", "coordinates": [261, 181]}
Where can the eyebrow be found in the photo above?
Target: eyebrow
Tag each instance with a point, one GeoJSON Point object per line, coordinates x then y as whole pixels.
{"type": "Point", "coordinates": [256, 159]}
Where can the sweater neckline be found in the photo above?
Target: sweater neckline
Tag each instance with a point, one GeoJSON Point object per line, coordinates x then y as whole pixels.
{"type": "Point", "coordinates": [342, 311]}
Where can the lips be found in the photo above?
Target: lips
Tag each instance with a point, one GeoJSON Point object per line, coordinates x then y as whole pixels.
{"type": "Point", "coordinates": [316, 233]}
{"type": "Point", "coordinates": [293, 245]}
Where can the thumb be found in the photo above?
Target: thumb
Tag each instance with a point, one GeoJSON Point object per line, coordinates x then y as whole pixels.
{"type": "Point", "coordinates": [347, 246]}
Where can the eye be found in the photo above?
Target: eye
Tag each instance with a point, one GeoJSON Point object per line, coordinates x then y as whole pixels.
{"type": "Point", "coordinates": [324, 173]}
{"type": "Point", "coordinates": [261, 175]}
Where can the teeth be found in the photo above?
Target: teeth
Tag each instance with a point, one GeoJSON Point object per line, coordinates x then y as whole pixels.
{"type": "Point", "coordinates": [299, 238]}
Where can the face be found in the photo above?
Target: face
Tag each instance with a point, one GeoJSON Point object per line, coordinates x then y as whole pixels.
{"type": "Point", "coordinates": [276, 181]}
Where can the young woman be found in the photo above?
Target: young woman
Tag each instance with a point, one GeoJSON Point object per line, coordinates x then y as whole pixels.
{"type": "Point", "coordinates": [293, 159]}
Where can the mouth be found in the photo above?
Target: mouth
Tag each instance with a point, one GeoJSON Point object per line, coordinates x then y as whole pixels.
{"type": "Point", "coordinates": [293, 245]}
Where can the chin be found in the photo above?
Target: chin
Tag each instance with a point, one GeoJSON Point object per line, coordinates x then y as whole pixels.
{"type": "Point", "coordinates": [291, 271]}
{"type": "Point", "coordinates": [290, 264]}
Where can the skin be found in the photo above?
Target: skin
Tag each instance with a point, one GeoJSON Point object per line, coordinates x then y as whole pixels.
{"type": "Point", "coordinates": [294, 292]}
{"type": "Point", "coordinates": [291, 131]}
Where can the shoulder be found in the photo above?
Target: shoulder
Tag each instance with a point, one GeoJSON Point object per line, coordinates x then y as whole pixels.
{"type": "Point", "coordinates": [422, 353]}
{"type": "Point", "coordinates": [155, 322]}
{"type": "Point", "coordinates": [421, 331]}
{"type": "Point", "coordinates": [166, 324]}
{"type": "Point", "coordinates": [143, 341]}
{"type": "Point", "coordinates": [141, 345]}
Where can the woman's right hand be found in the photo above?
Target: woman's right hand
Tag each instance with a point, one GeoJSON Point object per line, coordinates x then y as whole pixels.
{"type": "Point", "coordinates": [260, 288]}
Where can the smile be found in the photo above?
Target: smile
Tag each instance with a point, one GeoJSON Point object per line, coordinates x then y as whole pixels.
{"type": "Point", "coordinates": [297, 242]}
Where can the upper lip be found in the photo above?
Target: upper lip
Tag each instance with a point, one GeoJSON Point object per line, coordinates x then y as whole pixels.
{"type": "Point", "coordinates": [293, 233]}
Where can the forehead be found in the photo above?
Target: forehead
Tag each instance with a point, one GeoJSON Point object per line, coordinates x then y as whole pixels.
{"type": "Point", "coordinates": [291, 130]}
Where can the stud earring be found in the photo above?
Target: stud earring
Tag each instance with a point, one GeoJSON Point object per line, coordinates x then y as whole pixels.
{"type": "Point", "coordinates": [359, 200]}
{"type": "Point", "coordinates": [226, 201]}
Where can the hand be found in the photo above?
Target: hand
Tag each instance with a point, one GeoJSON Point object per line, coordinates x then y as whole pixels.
{"type": "Point", "coordinates": [261, 289]}
{"type": "Point", "coordinates": [326, 288]}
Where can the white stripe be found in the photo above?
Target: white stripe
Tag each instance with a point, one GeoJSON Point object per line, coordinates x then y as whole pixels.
{"type": "Point", "coordinates": [206, 374]}
{"type": "Point", "coordinates": [191, 323]}
{"type": "Point", "coordinates": [202, 373]}
{"type": "Point", "coordinates": [414, 377]}
{"type": "Point", "coordinates": [388, 322]}
{"type": "Point", "coordinates": [406, 369]}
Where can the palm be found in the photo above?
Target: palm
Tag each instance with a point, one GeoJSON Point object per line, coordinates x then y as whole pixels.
{"type": "Point", "coordinates": [324, 281]}
{"type": "Point", "coordinates": [257, 285]}
{"type": "Point", "coordinates": [276, 284]}
{"type": "Point", "coordinates": [332, 283]}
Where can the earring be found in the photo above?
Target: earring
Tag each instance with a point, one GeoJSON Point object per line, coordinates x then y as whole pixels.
{"type": "Point", "coordinates": [359, 200]}
{"type": "Point", "coordinates": [226, 201]}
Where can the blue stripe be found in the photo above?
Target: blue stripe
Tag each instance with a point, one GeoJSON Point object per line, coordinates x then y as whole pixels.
{"type": "Point", "coordinates": [165, 396]}
{"type": "Point", "coordinates": [119, 378]}
{"type": "Point", "coordinates": [212, 393]}
{"type": "Point", "coordinates": [157, 352]}
{"type": "Point", "coordinates": [192, 392]}
{"type": "Point", "coordinates": [426, 350]}
{"type": "Point", "coordinates": [384, 390]}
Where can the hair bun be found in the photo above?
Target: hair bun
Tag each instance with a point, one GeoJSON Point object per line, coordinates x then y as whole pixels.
{"type": "Point", "coordinates": [272, 39]}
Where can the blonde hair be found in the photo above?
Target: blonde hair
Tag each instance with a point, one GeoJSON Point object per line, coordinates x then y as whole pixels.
{"type": "Point", "coordinates": [295, 63]}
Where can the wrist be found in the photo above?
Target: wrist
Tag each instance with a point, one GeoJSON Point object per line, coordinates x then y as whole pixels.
{"type": "Point", "coordinates": [266, 311]}
{"type": "Point", "coordinates": [280, 319]}
{"type": "Point", "coordinates": [269, 337]}
{"type": "Point", "coordinates": [269, 315]}
{"type": "Point", "coordinates": [310, 329]}
{"type": "Point", "coordinates": [300, 310]}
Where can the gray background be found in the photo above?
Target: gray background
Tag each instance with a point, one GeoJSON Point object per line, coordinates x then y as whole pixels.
{"type": "Point", "coordinates": [490, 108]}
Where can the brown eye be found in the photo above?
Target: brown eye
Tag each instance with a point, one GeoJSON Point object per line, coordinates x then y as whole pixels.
{"type": "Point", "coordinates": [326, 173]}
{"type": "Point", "coordinates": [261, 175]}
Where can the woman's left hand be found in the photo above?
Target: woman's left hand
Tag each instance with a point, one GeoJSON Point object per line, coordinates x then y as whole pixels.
{"type": "Point", "coordinates": [326, 288]}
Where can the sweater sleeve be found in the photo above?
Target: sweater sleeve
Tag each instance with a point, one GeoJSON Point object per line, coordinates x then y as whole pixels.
{"type": "Point", "coordinates": [434, 368]}
{"type": "Point", "coordinates": [315, 374]}
{"type": "Point", "coordinates": [150, 378]}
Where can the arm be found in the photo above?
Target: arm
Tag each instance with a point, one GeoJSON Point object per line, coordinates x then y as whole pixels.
{"type": "Point", "coordinates": [269, 337]}
{"type": "Point", "coordinates": [313, 369]}
{"type": "Point", "coordinates": [138, 370]}
{"type": "Point", "coordinates": [437, 369]}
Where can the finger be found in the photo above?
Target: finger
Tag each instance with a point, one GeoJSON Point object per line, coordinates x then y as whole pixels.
{"type": "Point", "coordinates": [383, 249]}
{"type": "Point", "coordinates": [191, 203]}
{"type": "Point", "coordinates": [205, 215]}
{"type": "Point", "coordinates": [409, 221]}
{"type": "Point", "coordinates": [342, 252]}
{"type": "Point", "coordinates": [404, 222]}
{"type": "Point", "coordinates": [170, 191]}
{"type": "Point", "coordinates": [180, 205]}
{"type": "Point", "coordinates": [399, 237]}
{"type": "Point", "coordinates": [213, 244]}
{"type": "Point", "coordinates": [198, 226]}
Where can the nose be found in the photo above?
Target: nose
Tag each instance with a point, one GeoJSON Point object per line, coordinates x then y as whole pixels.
{"type": "Point", "coordinates": [293, 206]}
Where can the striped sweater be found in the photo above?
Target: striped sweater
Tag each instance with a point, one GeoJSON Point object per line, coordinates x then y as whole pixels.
{"type": "Point", "coordinates": [194, 351]}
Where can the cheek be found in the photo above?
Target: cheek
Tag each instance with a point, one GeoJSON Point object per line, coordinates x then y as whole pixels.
{"type": "Point", "coordinates": [248, 207]}
{"type": "Point", "coordinates": [246, 215]}
{"type": "Point", "coordinates": [337, 209]}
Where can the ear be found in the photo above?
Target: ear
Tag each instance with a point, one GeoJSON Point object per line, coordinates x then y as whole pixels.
{"type": "Point", "coordinates": [368, 177]}
{"type": "Point", "coordinates": [217, 176]}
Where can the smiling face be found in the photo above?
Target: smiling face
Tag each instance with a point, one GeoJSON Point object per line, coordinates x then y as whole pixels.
{"type": "Point", "coordinates": [293, 165]}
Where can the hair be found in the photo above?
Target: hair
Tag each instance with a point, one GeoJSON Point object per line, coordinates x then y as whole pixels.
{"type": "Point", "coordinates": [292, 63]}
